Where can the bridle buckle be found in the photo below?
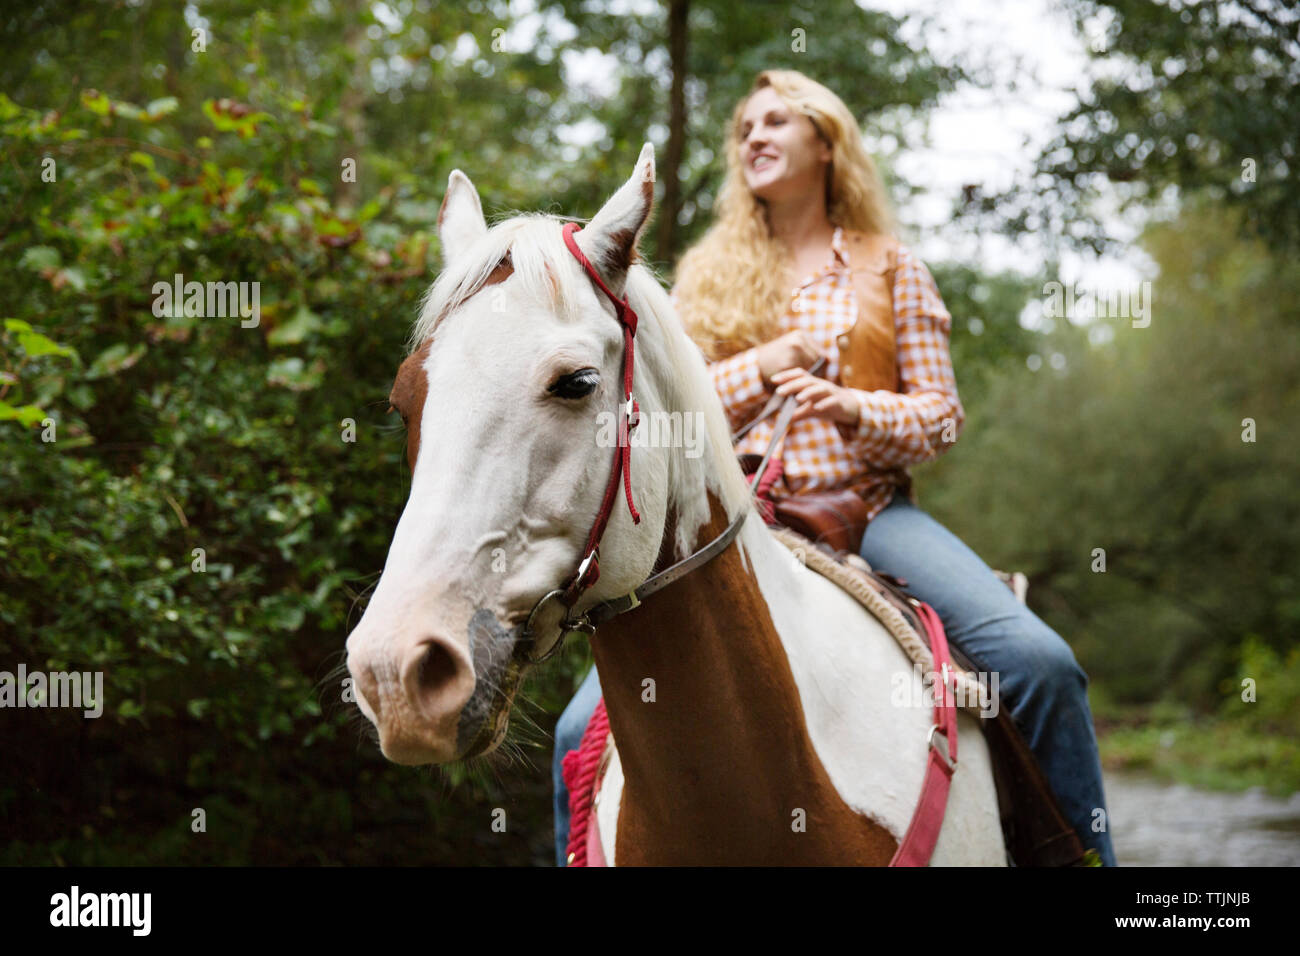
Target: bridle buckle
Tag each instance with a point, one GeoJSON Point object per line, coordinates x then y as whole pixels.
{"type": "Point", "coordinates": [942, 751]}
{"type": "Point", "coordinates": [579, 624]}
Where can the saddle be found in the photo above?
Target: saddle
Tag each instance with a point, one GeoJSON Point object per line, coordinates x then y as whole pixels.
{"type": "Point", "coordinates": [833, 523]}
{"type": "Point", "coordinates": [1035, 831]}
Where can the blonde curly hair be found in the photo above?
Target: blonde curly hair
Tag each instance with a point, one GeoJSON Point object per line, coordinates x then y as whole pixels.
{"type": "Point", "coordinates": [729, 286]}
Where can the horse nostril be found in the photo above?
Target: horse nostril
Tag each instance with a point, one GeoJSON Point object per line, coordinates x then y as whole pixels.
{"type": "Point", "coordinates": [437, 670]}
{"type": "Point", "coordinates": [437, 680]}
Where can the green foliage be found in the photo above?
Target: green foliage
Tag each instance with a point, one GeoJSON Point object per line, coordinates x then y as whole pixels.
{"type": "Point", "coordinates": [25, 373]}
{"type": "Point", "coordinates": [1252, 738]}
{"type": "Point", "coordinates": [1142, 447]}
{"type": "Point", "coordinates": [987, 341]}
{"type": "Point", "coordinates": [1270, 702]}
{"type": "Point", "coordinates": [830, 41]}
{"type": "Point", "coordinates": [1185, 96]}
{"type": "Point", "coordinates": [198, 529]}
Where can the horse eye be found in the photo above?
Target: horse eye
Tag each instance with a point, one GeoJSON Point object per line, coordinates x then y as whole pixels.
{"type": "Point", "coordinates": [577, 384]}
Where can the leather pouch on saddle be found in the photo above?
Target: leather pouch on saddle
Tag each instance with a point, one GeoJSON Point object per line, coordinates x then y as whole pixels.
{"type": "Point", "coordinates": [837, 519]}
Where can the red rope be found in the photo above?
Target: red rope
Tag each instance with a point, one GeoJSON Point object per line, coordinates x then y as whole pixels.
{"type": "Point", "coordinates": [763, 488]}
{"type": "Point", "coordinates": [579, 771]}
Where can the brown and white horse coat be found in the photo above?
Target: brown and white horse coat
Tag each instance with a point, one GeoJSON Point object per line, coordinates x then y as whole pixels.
{"type": "Point", "coordinates": [770, 735]}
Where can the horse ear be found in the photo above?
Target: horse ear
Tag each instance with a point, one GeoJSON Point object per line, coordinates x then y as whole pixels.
{"type": "Point", "coordinates": [460, 220]}
{"type": "Point", "coordinates": [609, 240]}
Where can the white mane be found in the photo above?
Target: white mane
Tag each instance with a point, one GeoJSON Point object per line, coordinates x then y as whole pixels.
{"type": "Point", "coordinates": [671, 374]}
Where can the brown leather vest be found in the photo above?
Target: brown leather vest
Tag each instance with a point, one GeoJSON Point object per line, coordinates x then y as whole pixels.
{"type": "Point", "coordinates": [868, 351]}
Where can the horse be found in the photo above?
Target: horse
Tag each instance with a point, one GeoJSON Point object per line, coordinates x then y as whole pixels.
{"type": "Point", "coordinates": [750, 700]}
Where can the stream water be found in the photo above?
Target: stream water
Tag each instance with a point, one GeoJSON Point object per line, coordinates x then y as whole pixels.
{"type": "Point", "coordinates": [1168, 824]}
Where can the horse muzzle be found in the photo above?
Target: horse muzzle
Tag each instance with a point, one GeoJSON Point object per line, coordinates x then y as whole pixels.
{"type": "Point", "coordinates": [413, 689]}
{"type": "Point", "coordinates": [432, 698]}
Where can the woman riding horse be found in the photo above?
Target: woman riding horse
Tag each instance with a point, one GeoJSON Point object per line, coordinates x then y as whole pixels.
{"type": "Point", "coordinates": [800, 265]}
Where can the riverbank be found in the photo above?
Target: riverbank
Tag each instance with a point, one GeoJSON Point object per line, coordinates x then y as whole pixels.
{"type": "Point", "coordinates": [1209, 752]}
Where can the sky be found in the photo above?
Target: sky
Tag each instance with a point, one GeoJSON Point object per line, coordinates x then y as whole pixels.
{"type": "Point", "coordinates": [991, 136]}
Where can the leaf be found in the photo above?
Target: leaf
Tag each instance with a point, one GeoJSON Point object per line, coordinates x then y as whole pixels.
{"type": "Point", "coordinates": [286, 617]}
{"type": "Point", "coordinates": [141, 159]}
{"type": "Point", "coordinates": [29, 415]}
{"type": "Point", "coordinates": [114, 359]}
{"type": "Point", "coordinates": [304, 322]}
{"type": "Point", "coordinates": [157, 109]}
{"type": "Point", "coordinates": [81, 396]}
{"type": "Point", "coordinates": [96, 102]}
{"type": "Point", "coordinates": [25, 415]}
{"type": "Point", "coordinates": [292, 374]}
{"type": "Point", "coordinates": [35, 345]}
{"type": "Point", "coordinates": [71, 276]}
{"type": "Point", "coordinates": [40, 258]}
{"type": "Point", "coordinates": [230, 116]}
{"type": "Point", "coordinates": [16, 325]}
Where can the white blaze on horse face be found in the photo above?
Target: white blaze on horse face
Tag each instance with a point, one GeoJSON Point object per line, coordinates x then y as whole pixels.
{"type": "Point", "coordinates": [487, 524]}
{"type": "Point", "coordinates": [507, 481]}
{"type": "Point", "coordinates": [506, 484]}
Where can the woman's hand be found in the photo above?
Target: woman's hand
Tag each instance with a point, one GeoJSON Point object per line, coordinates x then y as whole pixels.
{"type": "Point", "coordinates": [793, 351]}
{"type": "Point", "coordinates": [818, 398]}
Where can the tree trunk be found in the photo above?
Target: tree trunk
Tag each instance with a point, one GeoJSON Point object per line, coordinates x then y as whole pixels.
{"type": "Point", "coordinates": [666, 246]}
{"type": "Point", "coordinates": [352, 105]}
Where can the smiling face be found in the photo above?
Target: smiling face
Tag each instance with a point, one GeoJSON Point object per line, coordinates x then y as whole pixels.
{"type": "Point", "coordinates": [781, 153]}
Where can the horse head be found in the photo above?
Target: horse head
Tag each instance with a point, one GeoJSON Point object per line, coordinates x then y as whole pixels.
{"type": "Point", "coordinates": [513, 380]}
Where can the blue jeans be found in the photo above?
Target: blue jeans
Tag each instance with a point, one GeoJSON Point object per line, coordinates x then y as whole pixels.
{"type": "Point", "coordinates": [1038, 676]}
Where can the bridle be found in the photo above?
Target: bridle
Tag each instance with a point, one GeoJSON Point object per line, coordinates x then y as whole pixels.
{"type": "Point", "coordinates": [588, 570]}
